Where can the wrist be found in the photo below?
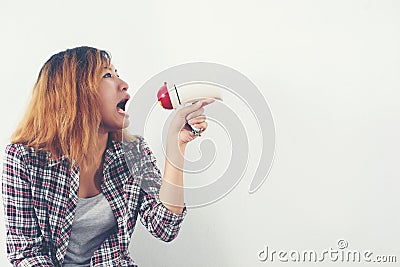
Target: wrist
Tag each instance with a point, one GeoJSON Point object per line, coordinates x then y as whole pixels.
{"type": "Point", "coordinates": [176, 149]}
{"type": "Point", "coordinates": [173, 141]}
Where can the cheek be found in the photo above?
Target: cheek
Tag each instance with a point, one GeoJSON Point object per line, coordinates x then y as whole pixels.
{"type": "Point", "coordinates": [106, 99]}
{"type": "Point", "coordinates": [106, 108]}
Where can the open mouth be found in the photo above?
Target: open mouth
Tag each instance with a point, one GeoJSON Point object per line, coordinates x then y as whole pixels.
{"type": "Point", "coordinates": [122, 105]}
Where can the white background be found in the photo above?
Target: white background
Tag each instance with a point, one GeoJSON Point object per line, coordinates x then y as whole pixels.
{"type": "Point", "coordinates": [330, 73]}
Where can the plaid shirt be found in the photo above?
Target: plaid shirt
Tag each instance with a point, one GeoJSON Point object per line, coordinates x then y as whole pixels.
{"type": "Point", "coordinates": [40, 196]}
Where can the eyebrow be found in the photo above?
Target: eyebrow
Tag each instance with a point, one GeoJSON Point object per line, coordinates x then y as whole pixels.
{"type": "Point", "coordinates": [115, 70]}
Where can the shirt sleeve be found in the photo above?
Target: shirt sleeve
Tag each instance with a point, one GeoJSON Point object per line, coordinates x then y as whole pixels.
{"type": "Point", "coordinates": [24, 239]}
{"type": "Point", "coordinates": [161, 222]}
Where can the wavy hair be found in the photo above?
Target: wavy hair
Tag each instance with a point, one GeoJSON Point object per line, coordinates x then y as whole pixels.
{"type": "Point", "coordinates": [63, 115]}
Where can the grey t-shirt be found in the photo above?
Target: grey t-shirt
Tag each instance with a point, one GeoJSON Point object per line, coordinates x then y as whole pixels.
{"type": "Point", "coordinates": [94, 221]}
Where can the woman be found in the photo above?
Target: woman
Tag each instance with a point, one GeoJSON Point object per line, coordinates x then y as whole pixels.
{"type": "Point", "coordinates": [74, 182]}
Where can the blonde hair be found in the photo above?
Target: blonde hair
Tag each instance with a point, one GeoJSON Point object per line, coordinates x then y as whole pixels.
{"type": "Point", "coordinates": [63, 117]}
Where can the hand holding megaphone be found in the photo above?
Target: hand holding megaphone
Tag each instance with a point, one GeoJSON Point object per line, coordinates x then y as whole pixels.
{"type": "Point", "coordinates": [189, 93]}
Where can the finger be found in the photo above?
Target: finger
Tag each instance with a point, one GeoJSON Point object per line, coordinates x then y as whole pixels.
{"type": "Point", "coordinates": [197, 105]}
{"type": "Point", "coordinates": [200, 126]}
{"type": "Point", "coordinates": [197, 119]}
{"type": "Point", "coordinates": [203, 128]}
{"type": "Point", "coordinates": [195, 114]}
{"type": "Point", "coordinates": [191, 108]}
{"type": "Point", "coordinates": [207, 101]}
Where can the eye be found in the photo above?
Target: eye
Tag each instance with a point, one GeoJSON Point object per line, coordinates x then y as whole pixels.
{"type": "Point", "coordinates": [107, 75]}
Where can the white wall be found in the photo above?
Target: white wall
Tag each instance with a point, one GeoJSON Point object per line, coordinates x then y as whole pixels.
{"type": "Point", "coordinates": [330, 72]}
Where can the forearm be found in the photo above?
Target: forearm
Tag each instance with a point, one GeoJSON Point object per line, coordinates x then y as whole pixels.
{"type": "Point", "coordinates": [179, 134]}
{"type": "Point", "coordinates": [171, 191]}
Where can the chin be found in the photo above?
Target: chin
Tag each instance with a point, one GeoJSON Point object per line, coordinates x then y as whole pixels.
{"type": "Point", "coordinates": [116, 126]}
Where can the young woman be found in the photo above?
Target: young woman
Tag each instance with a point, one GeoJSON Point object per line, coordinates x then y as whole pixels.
{"type": "Point", "coordinates": [75, 182]}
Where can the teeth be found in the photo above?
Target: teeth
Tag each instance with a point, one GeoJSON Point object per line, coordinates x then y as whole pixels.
{"type": "Point", "coordinates": [120, 110]}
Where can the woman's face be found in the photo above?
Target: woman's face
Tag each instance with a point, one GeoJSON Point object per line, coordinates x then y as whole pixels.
{"type": "Point", "coordinates": [113, 97]}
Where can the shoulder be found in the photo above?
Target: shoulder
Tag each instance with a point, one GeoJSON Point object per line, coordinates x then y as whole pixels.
{"type": "Point", "coordinates": [15, 149]}
{"type": "Point", "coordinates": [18, 151]}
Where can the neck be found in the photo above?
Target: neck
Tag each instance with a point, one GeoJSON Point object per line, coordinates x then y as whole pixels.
{"type": "Point", "coordinates": [102, 141]}
{"type": "Point", "coordinates": [101, 147]}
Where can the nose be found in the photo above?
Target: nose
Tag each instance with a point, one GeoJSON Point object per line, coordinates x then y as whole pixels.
{"type": "Point", "coordinates": [123, 85]}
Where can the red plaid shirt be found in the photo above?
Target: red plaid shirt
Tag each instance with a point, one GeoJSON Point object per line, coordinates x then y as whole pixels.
{"type": "Point", "coordinates": [40, 196]}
